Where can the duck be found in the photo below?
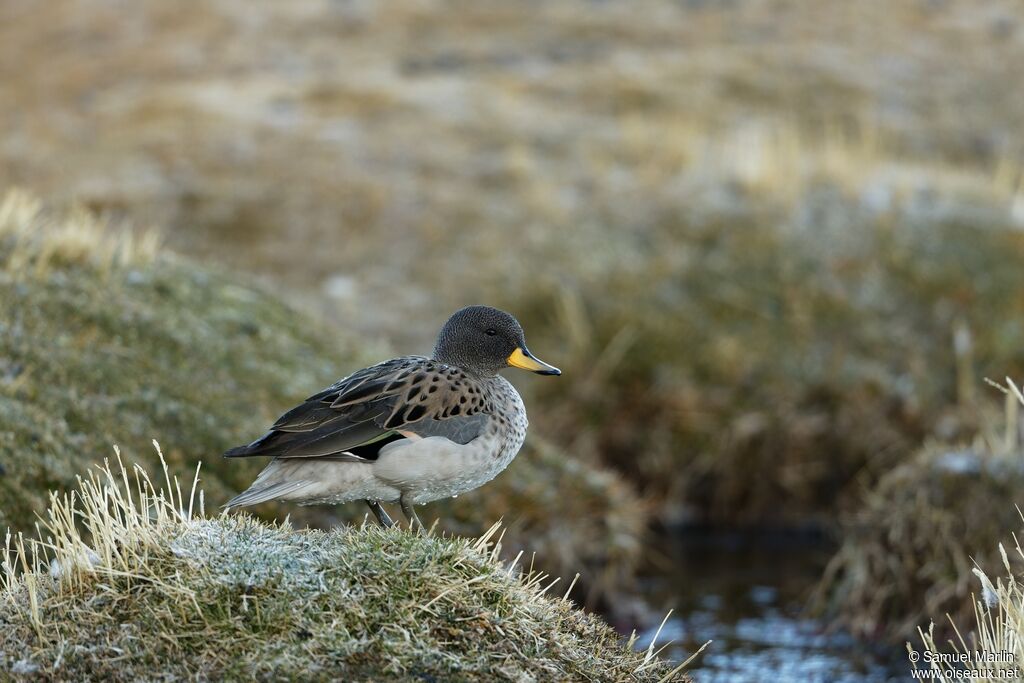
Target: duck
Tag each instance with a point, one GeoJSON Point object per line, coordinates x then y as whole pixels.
{"type": "Point", "coordinates": [409, 430]}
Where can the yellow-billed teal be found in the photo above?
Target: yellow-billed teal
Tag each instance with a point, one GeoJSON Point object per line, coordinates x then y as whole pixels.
{"type": "Point", "coordinates": [411, 429]}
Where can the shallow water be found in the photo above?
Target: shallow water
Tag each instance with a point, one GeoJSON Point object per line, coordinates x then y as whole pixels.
{"type": "Point", "coordinates": [746, 593]}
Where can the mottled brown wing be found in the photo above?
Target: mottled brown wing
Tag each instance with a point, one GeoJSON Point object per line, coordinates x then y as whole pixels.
{"type": "Point", "coordinates": [369, 408]}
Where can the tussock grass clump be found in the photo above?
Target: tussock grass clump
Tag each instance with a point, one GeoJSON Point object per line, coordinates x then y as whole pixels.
{"type": "Point", "coordinates": [159, 590]}
{"type": "Point", "coordinates": [998, 616]}
{"type": "Point", "coordinates": [911, 552]}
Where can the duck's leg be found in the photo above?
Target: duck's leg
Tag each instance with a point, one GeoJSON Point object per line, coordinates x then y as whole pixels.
{"type": "Point", "coordinates": [410, 513]}
{"type": "Point", "coordinates": [380, 513]}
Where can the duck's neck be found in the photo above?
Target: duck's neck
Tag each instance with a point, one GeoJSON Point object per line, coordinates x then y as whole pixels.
{"type": "Point", "coordinates": [454, 360]}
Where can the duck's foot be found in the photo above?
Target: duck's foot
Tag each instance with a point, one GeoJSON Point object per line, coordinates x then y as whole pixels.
{"type": "Point", "coordinates": [381, 514]}
{"type": "Point", "coordinates": [410, 514]}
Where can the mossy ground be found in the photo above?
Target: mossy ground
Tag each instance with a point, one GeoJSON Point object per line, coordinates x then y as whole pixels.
{"type": "Point", "coordinates": [157, 592]}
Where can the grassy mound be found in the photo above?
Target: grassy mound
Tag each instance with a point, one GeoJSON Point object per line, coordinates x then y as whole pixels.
{"type": "Point", "coordinates": [910, 553]}
{"type": "Point", "coordinates": [159, 591]}
{"type": "Point", "coordinates": [105, 338]}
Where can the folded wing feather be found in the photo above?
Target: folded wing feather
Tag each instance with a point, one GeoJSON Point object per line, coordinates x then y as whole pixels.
{"type": "Point", "coordinates": [369, 408]}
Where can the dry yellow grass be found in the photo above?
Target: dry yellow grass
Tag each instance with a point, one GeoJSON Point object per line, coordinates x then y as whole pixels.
{"type": "Point", "coordinates": [36, 241]}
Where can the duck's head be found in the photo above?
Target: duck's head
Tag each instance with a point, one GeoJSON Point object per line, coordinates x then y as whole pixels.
{"type": "Point", "coordinates": [484, 340]}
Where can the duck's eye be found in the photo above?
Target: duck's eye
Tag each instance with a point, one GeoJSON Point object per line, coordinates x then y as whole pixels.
{"type": "Point", "coordinates": [490, 331]}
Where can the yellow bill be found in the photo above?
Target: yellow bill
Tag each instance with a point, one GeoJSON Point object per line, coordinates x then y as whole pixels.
{"type": "Point", "coordinates": [523, 359]}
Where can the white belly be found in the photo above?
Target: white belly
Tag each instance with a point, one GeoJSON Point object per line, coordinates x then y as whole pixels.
{"type": "Point", "coordinates": [434, 468]}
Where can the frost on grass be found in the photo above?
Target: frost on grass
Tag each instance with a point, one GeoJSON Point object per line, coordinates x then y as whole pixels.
{"type": "Point", "coordinates": [158, 590]}
{"type": "Point", "coordinates": [252, 556]}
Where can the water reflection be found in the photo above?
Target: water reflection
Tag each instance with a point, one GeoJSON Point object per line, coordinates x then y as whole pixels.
{"type": "Point", "coordinates": [746, 592]}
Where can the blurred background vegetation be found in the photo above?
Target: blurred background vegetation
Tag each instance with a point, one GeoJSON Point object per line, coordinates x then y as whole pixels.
{"type": "Point", "coordinates": [774, 245]}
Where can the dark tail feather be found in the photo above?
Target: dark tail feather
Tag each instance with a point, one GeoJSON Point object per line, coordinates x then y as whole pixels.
{"type": "Point", "coordinates": [265, 445]}
{"type": "Point", "coordinates": [237, 452]}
